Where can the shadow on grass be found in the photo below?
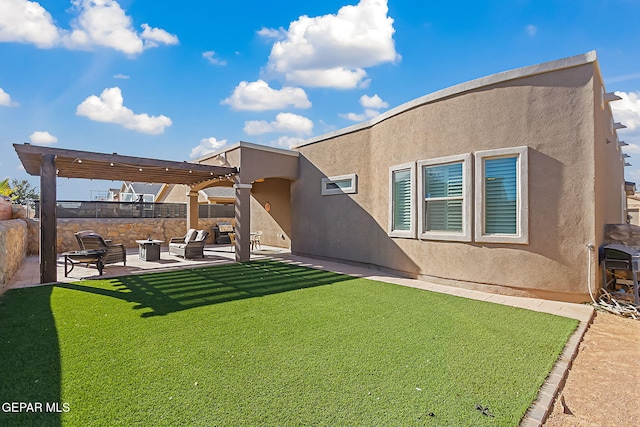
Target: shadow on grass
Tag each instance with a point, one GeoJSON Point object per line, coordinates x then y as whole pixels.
{"type": "Point", "coordinates": [29, 358]}
{"type": "Point", "coordinates": [173, 291]}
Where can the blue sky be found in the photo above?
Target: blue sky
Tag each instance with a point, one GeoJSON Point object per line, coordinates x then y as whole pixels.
{"type": "Point", "coordinates": [173, 80]}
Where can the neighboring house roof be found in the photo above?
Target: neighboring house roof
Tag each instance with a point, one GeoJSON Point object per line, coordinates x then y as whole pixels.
{"type": "Point", "coordinates": [145, 188]}
{"type": "Point", "coordinates": [220, 192]}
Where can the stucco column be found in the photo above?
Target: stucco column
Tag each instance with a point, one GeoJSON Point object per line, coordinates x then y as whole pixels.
{"type": "Point", "coordinates": [243, 222]}
{"type": "Point", "coordinates": [48, 224]}
{"type": "Point", "coordinates": [192, 210]}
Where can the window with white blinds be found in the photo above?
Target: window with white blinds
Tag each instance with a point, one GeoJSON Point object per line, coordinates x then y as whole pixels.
{"type": "Point", "coordinates": [445, 195]}
{"type": "Point", "coordinates": [402, 210]}
{"type": "Point", "coordinates": [445, 192]}
{"type": "Point", "coordinates": [502, 196]}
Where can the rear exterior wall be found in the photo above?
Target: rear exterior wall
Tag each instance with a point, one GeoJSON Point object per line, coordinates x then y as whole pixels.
{"type": "Point", "coordinates": [552, 114]}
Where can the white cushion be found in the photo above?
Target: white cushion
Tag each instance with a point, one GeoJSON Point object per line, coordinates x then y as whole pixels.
{"type": "Point", "coordinates": [191, 234]}
{"type": "Point", "coordinates": [200, 235]}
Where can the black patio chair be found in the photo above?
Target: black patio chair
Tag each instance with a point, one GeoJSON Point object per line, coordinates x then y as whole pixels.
{"type": "Point", "coordinates": [89, 239]}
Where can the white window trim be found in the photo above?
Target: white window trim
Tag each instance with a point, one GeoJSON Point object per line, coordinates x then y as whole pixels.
{"type": "Point", "coordinates": [411, 233]}
{"type": "Point", "coordinates": [522, 227]}
{"type": "Point", "coordinates": [347, 190]}
{"type": "Point", "coordinates": [467, 194]}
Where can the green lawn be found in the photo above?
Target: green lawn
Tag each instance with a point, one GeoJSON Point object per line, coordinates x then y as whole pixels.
{"type": "Point", "coordinates": [264, 343]}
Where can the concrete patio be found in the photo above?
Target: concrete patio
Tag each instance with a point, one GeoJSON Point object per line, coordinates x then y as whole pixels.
{"type": "Point", "coordinates": [29, 272]}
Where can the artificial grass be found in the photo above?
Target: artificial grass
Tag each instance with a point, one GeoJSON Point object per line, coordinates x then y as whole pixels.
{"type": "Point", "coordinates": [264, 343]}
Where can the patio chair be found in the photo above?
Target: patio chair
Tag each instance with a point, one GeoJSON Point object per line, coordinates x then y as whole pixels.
{"type": "Point", "coordinates": [191, 245]}
{"type": "Point", "coordinates": [232, 239]}
{"type": "Point", "coordinates": [255, 240]}
{"type": "Point", "coordinates": [89, 239]}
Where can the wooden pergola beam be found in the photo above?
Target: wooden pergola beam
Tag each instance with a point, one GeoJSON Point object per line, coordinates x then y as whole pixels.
{"type": "Point", "coordinates": [91, 165]}
{"type": "Point", "coordinates": [48, 223]}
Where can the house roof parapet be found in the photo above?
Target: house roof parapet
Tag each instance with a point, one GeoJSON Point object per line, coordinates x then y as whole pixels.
{"type": "Point", "coordinates": [504, 76]}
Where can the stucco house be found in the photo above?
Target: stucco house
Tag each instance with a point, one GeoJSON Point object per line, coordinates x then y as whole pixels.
{"type": "Point", "coordinates": [168, 193]}
{"type": "Point", "coordinates": [504, 183]}
{"type": "Point", "coordinates": [132, 191]}
{"type": "Point", "coordinates": [175, 193]}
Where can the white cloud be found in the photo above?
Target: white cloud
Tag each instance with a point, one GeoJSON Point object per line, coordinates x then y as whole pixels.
{"type": "Point", "coordinates": [372, 106]}
{"type": "Point", "coordinates": [627, 110]}
{"type": "Point", "coordinates": [271, 33]}
{"type": "Point", "coordinates": [288, 141]}
{"type": "Point", "coordinates": [155, 36]}
{"type": "Point", "coordinates": [104, 23]}
{"type": "Point", "coordinates": [26, 21]}
{"type": "Point", "coordinates": [207, 145]}
{"type": "Point", "coordinates": [210, 56]}
{"type": "Point", "coordinates": [354, 117]}
{"type": "Point", "coordinates": [284, 123]}
{"type": "Point", "coordinates": [42, 138]}
{"type": "Point", "coordinates": [5, 99]}
{"type": "Point", "coordinates": [631, 149]}
{"type": "Point", "coordinates": [338, 77]}
{"type": "Point", "coordinates": [109, 108]}
{"type": "Point", "coordinates": [98, 23]}
{"type": "Point", "coordinates": [121, 76]}
{"type": "Point", "coordinates": [333, 50]}
{"type": "Point", "coordinates": [531, 30]}
{"type": "Point", "coordinates": [373, 102]}
{"type": "Point", "coordinates": [258, 96]}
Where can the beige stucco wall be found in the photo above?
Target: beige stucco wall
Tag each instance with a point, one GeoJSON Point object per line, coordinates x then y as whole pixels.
{"type": "Point", "coordinates": [174, 193]}
{"type": "Point", "coordinates": [270, 172]}
{"type": "Point", "coordinates": [259, 162]}
{"type": "Point", "coordinates": [550, 113]}
{"type": "Point", "coordinates": [177, 193]}
{"type": "Point", "coordinates": [275, 224]}
{"type": "Point", "coordinates": [610, 197]}
{"type": "Point", "coordinates": [13, 248]}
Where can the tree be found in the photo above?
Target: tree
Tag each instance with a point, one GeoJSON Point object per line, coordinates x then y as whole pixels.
{"type": "Point", "coordinates": [5, 189]}
{"type": "Point", "coordinates": [23, 192]}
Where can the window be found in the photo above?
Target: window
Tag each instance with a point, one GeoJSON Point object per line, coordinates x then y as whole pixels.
{"type": "Point", "coordinates": [502, 196]}
{"type": "Point", "coordinates": [402, 180]}
{"type": "Point", "coordinates": [343, 184]}
{"type": "Point", "coordinates": [444, 188]}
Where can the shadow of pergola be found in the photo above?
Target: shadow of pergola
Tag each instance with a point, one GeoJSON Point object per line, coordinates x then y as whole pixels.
{"type": "Point", "coordinates": [167, 292]}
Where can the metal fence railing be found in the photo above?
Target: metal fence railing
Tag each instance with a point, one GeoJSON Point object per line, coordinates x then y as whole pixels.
{"type": "Point", "coordinates": [86, 209]}
{"type": "Point", "coordinates": [216, 211]}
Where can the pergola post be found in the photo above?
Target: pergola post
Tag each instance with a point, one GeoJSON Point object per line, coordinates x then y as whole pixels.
{"type": "Point", "coordinates": [243, 222]}
{"type": "Point", "coordinates": [192, 210]}
{"type": "Point", "coordinates": [48, 225]}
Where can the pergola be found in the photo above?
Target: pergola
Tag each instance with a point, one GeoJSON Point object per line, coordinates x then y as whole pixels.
{"type": "Point", "coordinates": [49, 163]}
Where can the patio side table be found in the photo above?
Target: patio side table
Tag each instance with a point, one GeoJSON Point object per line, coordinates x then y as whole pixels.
{"type": "Point", "coordinates": [149, 249]}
